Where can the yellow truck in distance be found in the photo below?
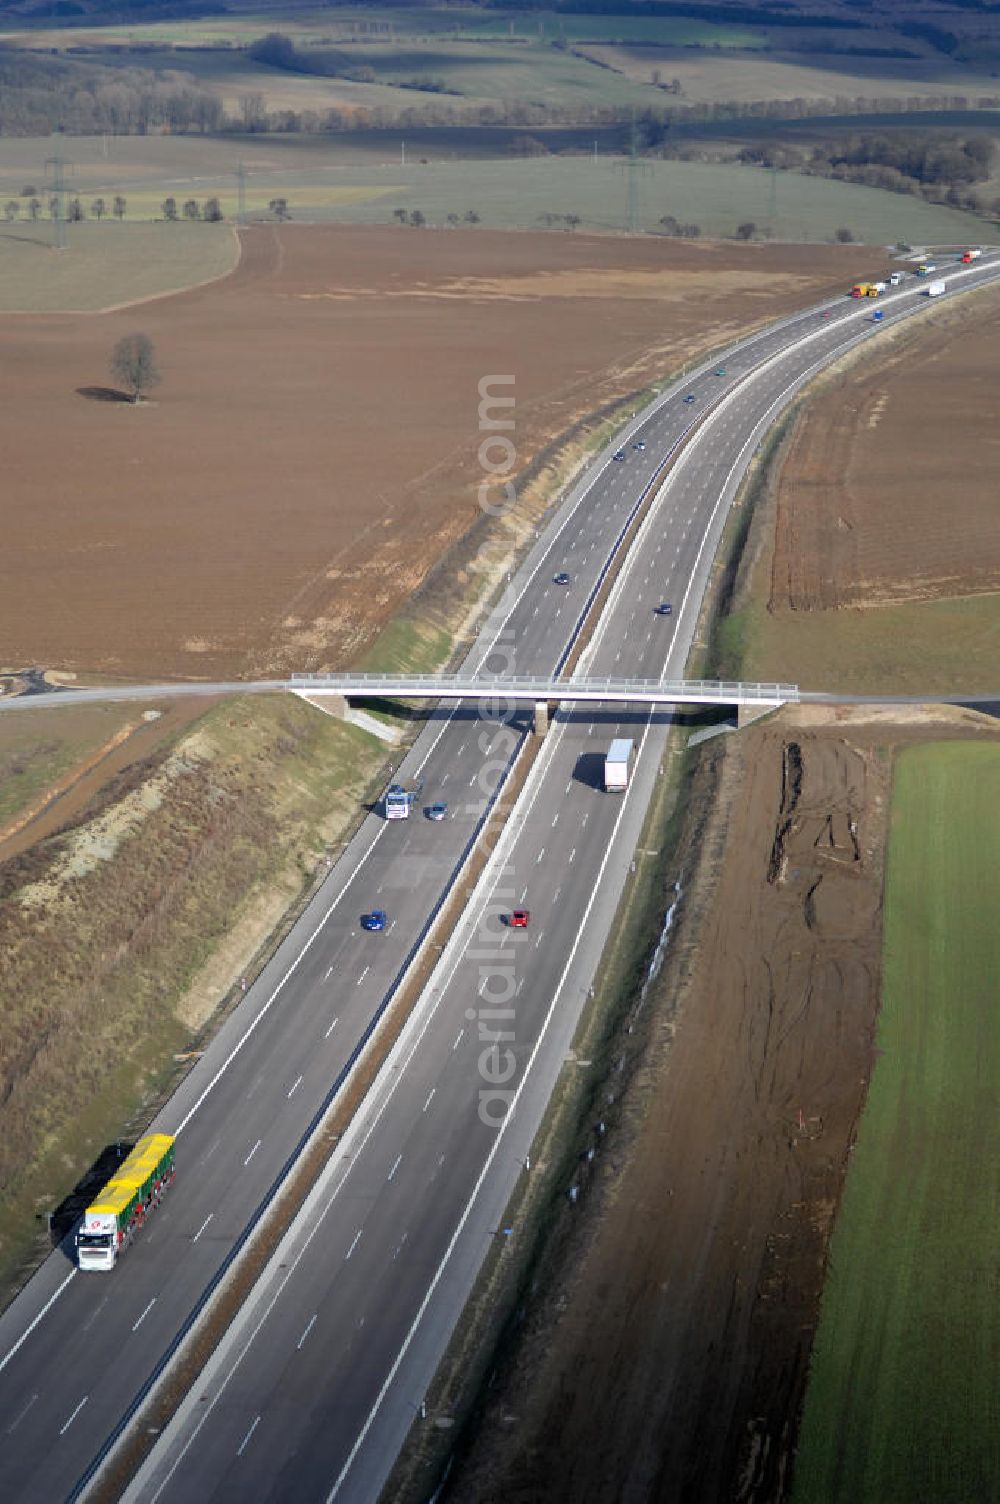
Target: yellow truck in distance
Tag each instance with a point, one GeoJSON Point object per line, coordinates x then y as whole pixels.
{"type": "Point", "coordinates": [867, 289]}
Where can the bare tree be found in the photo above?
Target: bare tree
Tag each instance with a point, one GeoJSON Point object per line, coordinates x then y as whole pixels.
{"type": "Point", "coordinates": [746, 231]}
{"type": "Point", "coordinates": [169, 207]}
{"type": "Point", "coordinates": [399, 214]}
{"type": "Point", "coordinates": [213, 210]}
{"type": "Point", "coordinates": [417, 217]}
{"type": "Point", "coordinates": [471, 217]}
{"type": "Point", "coordinates": [844, 235]}
{"type": "Point", "coordinates": [98, 209]}
{"type": "Point", "coordinates": [279, 208]}
{"type": "Point", "coordinates": [133, 363]}
{"type": "Point", "coordinates": [119, 208]}
{"type": "Point", "coordinates": [76, 211]}
{"type": "Point", "coordinates": [253, 112]}
{"type": "Point", "coordinates": [34, 207]}
{"type": "Point", "coordinates": [12, 209]}
{"type": "Point", "coordinates": [191, 209]}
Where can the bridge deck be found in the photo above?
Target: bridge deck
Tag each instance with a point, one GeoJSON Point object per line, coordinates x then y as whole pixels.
{"type": "Point", "coordinates": [493, 687]}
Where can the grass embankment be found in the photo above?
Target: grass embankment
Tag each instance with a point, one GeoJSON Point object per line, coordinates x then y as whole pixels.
{"type": "Point", "coordinates": [108, 264]}
{"type": "Point", "coordinates": [120, 936]}
{"type": "Point", "coordinates": [901, 1403]}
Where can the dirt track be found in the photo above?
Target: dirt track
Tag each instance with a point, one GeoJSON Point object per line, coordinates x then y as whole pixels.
{"type": "Point", "coordinates": [312, 449]}
{"type": "Point", "coordinates": [668, 1360]}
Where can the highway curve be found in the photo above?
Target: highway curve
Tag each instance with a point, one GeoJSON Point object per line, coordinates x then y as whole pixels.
{"type": "Point", "coordinates": [316, 1385]}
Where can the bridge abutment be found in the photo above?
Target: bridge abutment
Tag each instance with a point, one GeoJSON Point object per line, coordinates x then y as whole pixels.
{"type": "Point", "coordinates": [541, 717]}
{"type": "Point", "coordinates": [335, 705]}
{"type": "Point", "coordinates": [747, 714]}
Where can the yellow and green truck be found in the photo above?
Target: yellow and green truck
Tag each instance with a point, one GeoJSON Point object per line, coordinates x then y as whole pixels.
{"type": "Point", "coordinates": [115, 1216]}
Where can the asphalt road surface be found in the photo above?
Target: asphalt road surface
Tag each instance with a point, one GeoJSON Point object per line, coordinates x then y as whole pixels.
{"type": "Point", "coordinates": [319, 1381]}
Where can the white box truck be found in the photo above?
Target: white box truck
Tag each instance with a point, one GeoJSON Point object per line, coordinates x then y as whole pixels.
{"type": "Point", "coordinates": [399, 800]}
{"type": "Point", "coordinates": [618, 764]}
{"type": "Point", "coordinates": [935, 289]}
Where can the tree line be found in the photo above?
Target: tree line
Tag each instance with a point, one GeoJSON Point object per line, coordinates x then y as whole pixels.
{"type": "Point", "coordinates": [942, 168]}
{"type": "Point", "coordinates": [41, 95]}
{"type": "Point", "coordinates": [75, 209]}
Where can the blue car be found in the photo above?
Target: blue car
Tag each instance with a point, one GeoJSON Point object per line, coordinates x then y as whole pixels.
{"type": "Point", "coordinates": [619, 454]}
{"type": "Point", "coordinates": [689, 397]}
{"type": "Point", "coordinates": [376, 920]}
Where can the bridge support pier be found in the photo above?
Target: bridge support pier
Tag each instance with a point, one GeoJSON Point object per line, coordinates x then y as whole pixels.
{"type": "Point", "coordinates": [541, 717]}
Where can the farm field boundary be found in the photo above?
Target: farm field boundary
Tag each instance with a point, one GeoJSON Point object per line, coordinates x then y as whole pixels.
{"type": "Point", "coordinates": [900, 1402]}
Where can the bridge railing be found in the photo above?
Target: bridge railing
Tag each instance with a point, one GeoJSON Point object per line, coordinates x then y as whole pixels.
{"type": "Point", "coordinates": [536, 687]}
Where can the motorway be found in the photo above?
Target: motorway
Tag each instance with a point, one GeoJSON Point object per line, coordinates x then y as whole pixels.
{"type": "Point", "coordinates": [318, 1383]}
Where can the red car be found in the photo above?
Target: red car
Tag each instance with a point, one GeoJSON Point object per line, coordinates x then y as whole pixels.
{"type": "Point", "coordinates": [519, 919]}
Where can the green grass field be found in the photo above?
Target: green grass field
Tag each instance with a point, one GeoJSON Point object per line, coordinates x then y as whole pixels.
{"type": "Point", "coordinates": [948, 646]}
{"type": "Point", "coordinates": [901, 1404]}
{"type": "Point", "coordinates": [716, 196]}
{"type": "Point", "coordinates": [105, 265]}
{"type": "Point", "coordinates": [313, 27]}
{"type": "Point", "coordinates": [323, 182]}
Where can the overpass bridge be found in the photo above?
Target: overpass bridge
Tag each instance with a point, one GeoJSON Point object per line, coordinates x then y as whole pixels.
{"type": "Point", "coordinates": [543, 690]}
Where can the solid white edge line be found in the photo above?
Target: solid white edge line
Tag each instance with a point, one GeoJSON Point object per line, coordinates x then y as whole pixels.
{"type": "Point", "coordinates": [42, 1313]}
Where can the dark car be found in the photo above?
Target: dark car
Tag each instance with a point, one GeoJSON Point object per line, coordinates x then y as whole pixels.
{"type": "Point", "coordinates": [619, 454]}
{"type": "Point", "coordinates": [438, 811]}
{"type": "Point", "coordinates": [664, 609]}
{"type": "Point", "coordinates": [376, 920]}
{"type": "Point", "coordinates": [562, 578]}
{"type": "Point", "coordinates": [721, 371]}
{"type": "Point", "coordinates": [519, 919]}
{"type": "Point", "coordinates": [689, 397]}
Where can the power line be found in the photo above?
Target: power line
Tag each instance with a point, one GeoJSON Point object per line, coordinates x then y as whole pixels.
{"type": "Point", "coordinates": [632, 214]}
{"type": "Point", "coordinates": [57, 188]}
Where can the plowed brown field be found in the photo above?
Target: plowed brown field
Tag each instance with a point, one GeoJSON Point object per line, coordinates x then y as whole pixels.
{"type": "Point", "coordinates": [312, 450]}
{"type": "Point", "coordinates": [889, 491]}
{"type": "Point", "coordinates": [668, 1357]}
